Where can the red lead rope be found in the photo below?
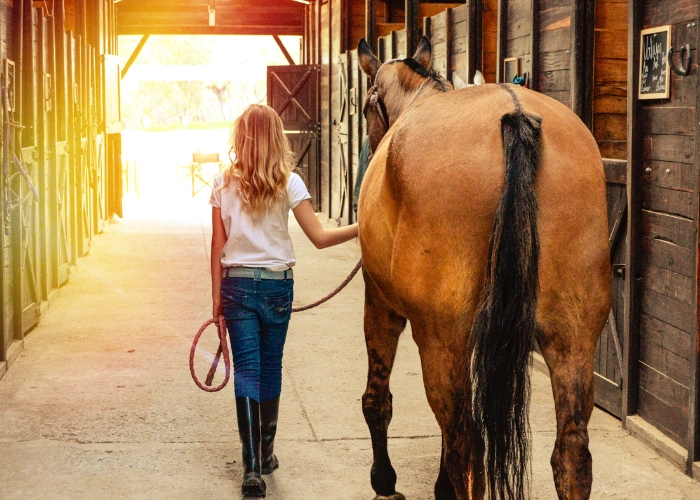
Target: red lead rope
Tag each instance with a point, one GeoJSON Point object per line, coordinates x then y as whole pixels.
{"type": "Point", "coordinates": [223, 346]}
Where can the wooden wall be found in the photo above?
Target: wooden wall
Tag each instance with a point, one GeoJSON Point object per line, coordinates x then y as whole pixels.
{"type": "Point", "coordinates": [555, 50]}
{"type": "Point", "coordinates": [489, 33]}
{"type": "Point", "coordinates": [518, 35]}
{"type": "Point", "coordinates": [669, 221]}
{"type": "Point", "coordinates": [59, 133]}
{"type": "Point", "coordinates": [7, 49]}
{"type": "Point", "coordinates": [610, 78]}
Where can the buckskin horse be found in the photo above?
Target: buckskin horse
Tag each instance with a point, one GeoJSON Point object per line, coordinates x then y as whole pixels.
{"type": "Point", "coordinates": [482, 222]}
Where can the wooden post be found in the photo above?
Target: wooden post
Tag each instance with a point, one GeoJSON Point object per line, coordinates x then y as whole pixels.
{"type": "Point", "coordinates": [412, 27]}
{"type": "Point", "coordinates": [474, 40]}
{"type": "Point", "coordinates": [81, 19]}
{"type": "Point", "coordinates": [371, 24]}
{"type": "Point", "coordinates": [27, 98]}
{"type": "Point", "coordinates": [694, 403]}
{"type": "Point", "coordinates": [448, 42]}
{"type": "Point", "coordinates": [581, 74]}
{"type": "Point", "coordinates": [535, 46]}
{"type": "Point", "coordinates": [630, 349]}
{"type": "Point", "coordinates": [60, 72]}
{"type": "Point", "coordinates": [501, 38]}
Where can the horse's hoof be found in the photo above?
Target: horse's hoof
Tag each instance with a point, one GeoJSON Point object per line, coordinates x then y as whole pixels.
{"type": "Point", "coordinates": [395, 496]}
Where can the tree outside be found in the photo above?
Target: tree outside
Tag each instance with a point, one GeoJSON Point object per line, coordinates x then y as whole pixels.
{"type": "Point", "coordinates": [181, 81]}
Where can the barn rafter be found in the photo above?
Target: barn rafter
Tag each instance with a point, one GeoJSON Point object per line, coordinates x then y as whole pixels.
{"type": "Point", "coordinates": [210, 17]}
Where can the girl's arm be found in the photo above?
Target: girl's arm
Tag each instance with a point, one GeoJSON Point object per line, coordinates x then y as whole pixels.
{"type": "Point", "coordinates": [320, 236]}
{"type": "Point", "coordinates": [218, 240]}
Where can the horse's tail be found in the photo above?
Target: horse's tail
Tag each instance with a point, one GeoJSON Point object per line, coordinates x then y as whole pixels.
{"type": "Point", "coordinates": [503, 332]}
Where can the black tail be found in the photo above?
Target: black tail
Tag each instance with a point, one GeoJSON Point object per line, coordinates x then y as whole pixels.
{"type": "Point", "coordinates": [503, 331]}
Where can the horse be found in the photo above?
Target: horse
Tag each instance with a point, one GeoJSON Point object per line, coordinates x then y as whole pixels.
{"type": "Point", "coordinates": [483, 222]}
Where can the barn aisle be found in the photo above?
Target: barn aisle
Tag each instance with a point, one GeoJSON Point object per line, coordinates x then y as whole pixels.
{"type": "Point", "coordinates": [100, 403]}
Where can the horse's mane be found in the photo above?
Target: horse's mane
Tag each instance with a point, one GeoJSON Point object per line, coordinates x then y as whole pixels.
{"type": "Point", "coordinates": [425, 73]}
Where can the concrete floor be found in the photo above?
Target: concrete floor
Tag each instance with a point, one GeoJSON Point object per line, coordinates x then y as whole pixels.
{"type": "Point", "coordinates": [100, 403]}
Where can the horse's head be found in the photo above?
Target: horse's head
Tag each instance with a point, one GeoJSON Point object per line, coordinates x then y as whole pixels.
{"type": "Point", "coordinates": [396, 85]}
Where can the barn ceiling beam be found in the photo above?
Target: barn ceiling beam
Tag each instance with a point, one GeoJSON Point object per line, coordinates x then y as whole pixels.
{"type": "Point", "coordinates": [134, 54]}
{"type": "Point", "coordinates": [284, 50]}
{"type": "Point", "coordinates": [215, 17]}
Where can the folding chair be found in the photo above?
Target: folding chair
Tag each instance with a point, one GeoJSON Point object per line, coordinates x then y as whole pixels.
{"type": "Point", "coordinates": [204, 168]}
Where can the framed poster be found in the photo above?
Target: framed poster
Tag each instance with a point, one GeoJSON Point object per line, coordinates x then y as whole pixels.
{"type": "Point", "coordinates": [654, 81]}
{"type": "Point", "coordinates": [511, 69]}
{"type": "Point", "coordinates": [9, 82]}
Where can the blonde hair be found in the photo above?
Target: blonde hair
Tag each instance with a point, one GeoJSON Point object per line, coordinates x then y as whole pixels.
{"type": "Point", "coordinates": [261, 159]}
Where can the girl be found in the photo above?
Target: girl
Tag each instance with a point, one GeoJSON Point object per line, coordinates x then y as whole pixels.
{"type": "Point", "coordinates": [251, 273]}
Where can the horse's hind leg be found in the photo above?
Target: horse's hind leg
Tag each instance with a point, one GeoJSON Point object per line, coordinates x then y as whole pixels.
{"type": "Point", "coordinates": [382, 330]}
{"type": "Point", "coordinates": [570, 362]}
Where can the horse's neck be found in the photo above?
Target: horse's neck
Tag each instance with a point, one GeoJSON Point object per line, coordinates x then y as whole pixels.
{"type": "Point", "coordinates": [421, 93]}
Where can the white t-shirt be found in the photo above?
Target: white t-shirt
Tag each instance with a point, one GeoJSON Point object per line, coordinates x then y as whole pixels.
{"type": "Point", "coordinates": [257, 240]}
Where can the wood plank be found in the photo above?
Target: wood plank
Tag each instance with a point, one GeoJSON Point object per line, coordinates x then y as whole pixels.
{"type": "Point", "coordinates": [608, 126]}
{"type": "Point", "coordinates": [517, 28]}
{"type": "Point", "coordinates": [612, 44]}
{"type": "Point", "coordinates": [553, 61]}
{"type": "Point", "coordinates": [669, 201]}
{"type": "Point", "coordinates": [519, 47]}
{"type": "Point", "coordinates": [669, 121]}
{"type": "Point", "coordinates": [669, 420]}
{"type": "Point", "coordinates": [669, 310]}
{"type": "Point", "coordinates": [676, 230]}
{"type": "Point", "coordinates": [671, 175]}
{"type": "Point", "coordinates": [559, 39]}
{"type": "Point", "coordinates": [610, 15]}
{"type": "Point", "coordinates": [608, 394]}
{"type": "Point", "coordinates": [610, 104]}
{"type": "Point", "coordinates": [613, 149]}
{"type": "Point", "coordinates": [681, 11]}
{"type": "Point", "coordinates": [519, 9]}
{"type": "Point", "coordinates": [668, 283]}
{"type": "Point", "coordinates": [610, 71]}
{"type": "Point", "coordinates": [563, 96]}
{"type": "Point", "coordinates": [615, 171]}
{"type": "Point", "coordinates": [669, 256]}
{"type": "Point", "coordinates": [663, 387]}
{"type": "Point", "coordinates": [555, 18]}
{"type": "Point", "coordinates": [554, 80]}
{"type": "Point", "coordinates": [669, 148]}
{"type": "Point", "coordinates": [546, 5]}
{"type": "Point", "coordinates": [666, 362]}
{"type": "Point", "coordinates": [669, 337]}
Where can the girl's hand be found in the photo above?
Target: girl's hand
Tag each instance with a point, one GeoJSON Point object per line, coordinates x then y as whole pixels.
{"type": "Point", "coordinates": [217, 310]}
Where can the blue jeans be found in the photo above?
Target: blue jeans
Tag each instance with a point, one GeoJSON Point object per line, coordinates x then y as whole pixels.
{"type": "Point", "coordinates": [257, 313]}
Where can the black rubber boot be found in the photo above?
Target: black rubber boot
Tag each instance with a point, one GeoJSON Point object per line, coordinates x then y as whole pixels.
{"type": "Point", "coordinates": [248, 412]}
{"type": "Point", "coordinates": [268, 429]}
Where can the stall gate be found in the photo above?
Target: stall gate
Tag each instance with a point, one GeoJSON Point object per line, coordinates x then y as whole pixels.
{"type": "Point", "coordinates": [293, 91]}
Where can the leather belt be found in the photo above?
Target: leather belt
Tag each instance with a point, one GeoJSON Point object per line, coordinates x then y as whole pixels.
{"type": "Point", "coordinates": [257, 273]}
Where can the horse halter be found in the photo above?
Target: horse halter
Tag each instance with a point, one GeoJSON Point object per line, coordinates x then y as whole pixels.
{"type": "Point", "coordinates": [375, 102]}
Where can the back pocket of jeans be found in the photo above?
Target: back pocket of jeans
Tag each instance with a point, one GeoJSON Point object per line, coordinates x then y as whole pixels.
{"type": "Point", "coordinates": [279, 308]}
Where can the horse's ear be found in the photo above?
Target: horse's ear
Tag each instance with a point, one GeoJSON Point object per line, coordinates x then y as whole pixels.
{"type": "Point", "coordinates": [368, 61]}
{"type": "Point", "coordinates": [479, 78]}
{"type": "Point", "coordinates": [424, 52]}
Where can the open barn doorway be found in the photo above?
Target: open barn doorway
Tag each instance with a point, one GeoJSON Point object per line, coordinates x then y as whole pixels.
{"type": "Point", "coordinates": [178, 101]}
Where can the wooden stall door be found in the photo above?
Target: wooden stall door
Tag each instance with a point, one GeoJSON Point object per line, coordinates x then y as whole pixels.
{"type": "Point", "coordinates": [292, 91]}
{"type": "Point", "coordinates": [25, 223]}
{"type": "Point", "coordinates": [357, 90]}
{"type": "Point", "coordinates": [608, 354]}
{"type": "Point", "coordinates": [344, 141]}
